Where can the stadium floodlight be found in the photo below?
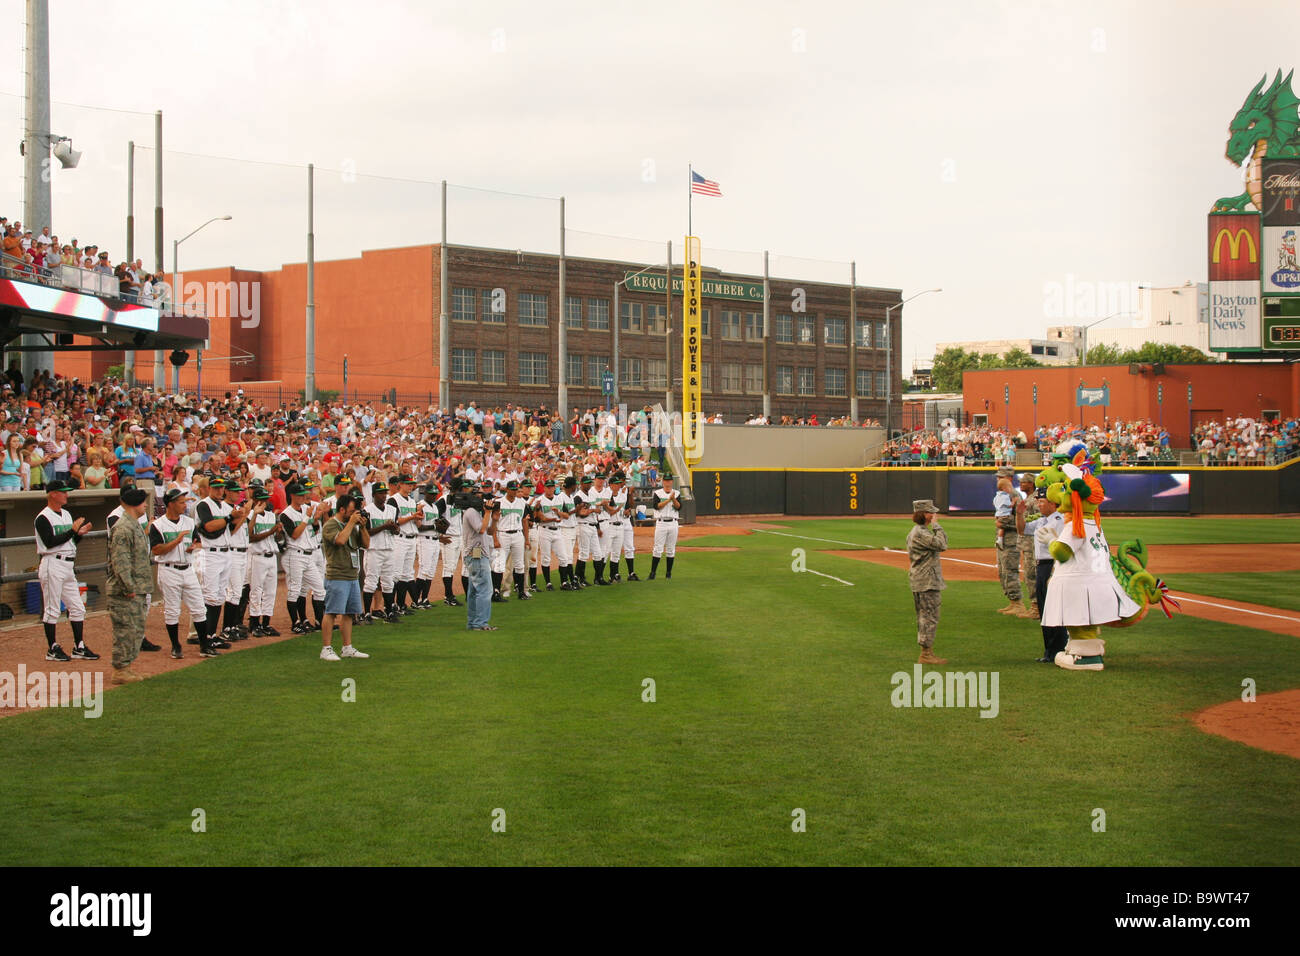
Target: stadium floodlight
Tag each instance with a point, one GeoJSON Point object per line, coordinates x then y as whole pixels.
{"type": "Point", "coordinates": [64, 153]}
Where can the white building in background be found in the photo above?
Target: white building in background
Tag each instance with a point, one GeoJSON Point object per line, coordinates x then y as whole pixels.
{"type": "Point", "coordinates": [1167, 315]}
{"type": "Point", "coordinates": [1057, 349]}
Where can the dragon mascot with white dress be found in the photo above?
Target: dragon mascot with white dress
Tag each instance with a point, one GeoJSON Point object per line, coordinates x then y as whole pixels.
{"type": "Point", "coordinates": [1092, 587]}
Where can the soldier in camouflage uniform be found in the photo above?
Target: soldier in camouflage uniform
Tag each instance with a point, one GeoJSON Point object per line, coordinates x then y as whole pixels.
{"type": "Point", "coordinates": [1028, 566]}
{"type": "Point", "coordinates": [924, 544]}
{"type": "Point", "coordinates": [1008, 514]}
{"type": "Point", "coordinates": [130, 579]}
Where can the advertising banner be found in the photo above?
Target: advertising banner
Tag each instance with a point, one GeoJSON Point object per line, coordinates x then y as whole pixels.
{"type": "Point", "coordinates": [1234, 247]}
{"type": "Point", "coordinates": [1280, 268]}
{"type": "Point", "coordinates": [692, 344]}
{"type": "Point", "coordinates": [1234, 316]}
{"type": "Point", "coordinates": [1281, 184]}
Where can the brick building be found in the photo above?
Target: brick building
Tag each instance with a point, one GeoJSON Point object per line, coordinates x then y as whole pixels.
{"type": "Point", "coordinates": [382, 310]}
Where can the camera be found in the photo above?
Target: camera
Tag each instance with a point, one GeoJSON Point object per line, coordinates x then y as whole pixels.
{"type": "Point", "coordinates": [464, 501]}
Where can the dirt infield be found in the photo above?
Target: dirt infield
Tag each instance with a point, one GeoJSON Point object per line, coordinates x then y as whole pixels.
{"type": "Point", "coordinates": [1270, 722]}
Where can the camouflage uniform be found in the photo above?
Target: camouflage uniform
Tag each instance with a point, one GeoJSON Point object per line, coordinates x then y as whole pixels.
{"type": "Point", "coordinates": [924, 542]}
{"type": "Point", "coordinates": [1009, 558]}
{"type": "Point", "coordinates": [1027, 563]}
{"type": "Point", "coordinates": [129, 572]}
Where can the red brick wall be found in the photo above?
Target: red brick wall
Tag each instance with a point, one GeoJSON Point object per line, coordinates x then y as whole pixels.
{"type": "Point", "coordinates": [1218, 391]}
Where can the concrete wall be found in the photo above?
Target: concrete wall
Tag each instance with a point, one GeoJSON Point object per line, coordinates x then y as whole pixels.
{"type": "Point", "coordinates": [777, 447]}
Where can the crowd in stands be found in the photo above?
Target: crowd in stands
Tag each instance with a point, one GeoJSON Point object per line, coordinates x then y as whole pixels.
{"type": "Point", "coordinates": [1247, 441]}
{"type": "Point", "coordinates": [954, 446]}
{"type": "Point", "coordinates": [98, 434]}
{"type": "Point", "coordinates": [1115, 442]}
{"type": "Point", "coordinates": [41, 258]}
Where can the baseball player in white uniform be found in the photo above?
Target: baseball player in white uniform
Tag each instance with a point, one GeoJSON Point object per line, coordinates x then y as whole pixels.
{"type": "Point", "coordinates": [380, 559]}
{"type": "Point", "coordinates": [405, 539]}
{"type": "Point", "coordinates": [301, 572]}
{"type": "Point", "coordinates": [569, 533]}
{"type": "Point", "coordinates": [213, 517]}
{"type": "Point", "coordinates": [172, 541]}
{"type": "Point", "coordinates": [512, 528]}
{"type": "Point", "coordinates": [426, 545]}
{"type": "Point", "coordinates": [586, 504]}
{"type": "Point", "coordinates": [601, 494]}
{"type": "Point", "coordinates": [262, 563]}
{"type": "Point", "coordinates": [449, 551]}
{"type": "Point", "coordinates": [667, 506]}
{"type": "Point", "coordinates": [621, 529]}
{"type": "Point", "coordinates": [547, 512]}
{"type": "Point", "coordinates": [57, 535]}
{"type": "Point", "coordinates": [236, 569]}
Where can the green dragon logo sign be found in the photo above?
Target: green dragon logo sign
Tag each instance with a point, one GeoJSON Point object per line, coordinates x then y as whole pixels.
{"type": "Point", "coordinates": [1266, 125]}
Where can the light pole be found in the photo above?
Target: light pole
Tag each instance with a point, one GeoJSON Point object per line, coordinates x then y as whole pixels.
{"type": "Point", "coordinates": [889, 360]}
{"type": "Point", "coordinates": [178, 285]}
{"type": "Point", "coordinates": [1083, 358]}
{"type": "Point", "coordinates": [668, 278]}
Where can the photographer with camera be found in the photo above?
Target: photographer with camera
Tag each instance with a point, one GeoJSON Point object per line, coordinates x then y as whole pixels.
{"type": "Point", "coordinates": [479, 538]}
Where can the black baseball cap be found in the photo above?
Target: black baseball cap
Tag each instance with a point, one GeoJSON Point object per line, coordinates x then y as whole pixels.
{"type": "Point", "coordinates": [378, 488]}
{"type": "Point", "coordinates": [175, 494]}
{"type": "Point", "coordinates": [57, 485]}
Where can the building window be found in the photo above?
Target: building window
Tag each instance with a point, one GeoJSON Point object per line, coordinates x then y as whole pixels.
{"type": "Point", "coordinates": [494, 367]}
{"type": "Point", "coordinates": [784, 380]}
{"type": "Point", "coordinates": [807, 381]}
{"type": "Point", "coordinates": [573, 369]}
{"type": "Point", "coordinates": [862, 333]}
{"type": "Point", "coordinates": [493, 305]}
{"type": "Point", "coordinates": [807, 325]}
{"type": "Point", "coordinates": [1035, 350]}
{"type": "Point", "coordinates": [706, 378]}
{"type": "Point", "coordinates": [630, 316]}
{"type": "Point", "coordinates": [532, 308]}
{"type": "Point", "coordinates": [573, 312]}
{"type": "Point", "coordinates": [1052, 350]}
{"type": "Point", "coordinates": [656, 320]}
{"type": "Point", "coordinates": [754, 326]}
{"type": "Point", "coordinates": [863, 384]}
{"type": "Point", "coordinates": [462, 365]}
{"type": "Point", "coordinates": [880, 335]}
{"type": "Point", "coordinates": [533, 368]}
{"type": "Point", "coordinates": [753, 379]}
{"type": "Point", "coordinates": [784, 331]}
{"type": "Point", "coordinates": [834, 331]}
{"type": "Point", "coordinates": [882, 385]}
{"type": "Point", "coordinates": [598, 315]}
{"type": "Point", "coordinates": [656, 373]}
{"type": "Point", "coordinates": [835, 383]}
{"type": "Point", "coordinates": [596, 365]}
{"type": "Point", "coordinates": [730, 325]}
{"type": "Point", "coordinates": [464, 305]}
{"type": "Point", "coordinates": [730, 376]}
{"type": "Point", "coordinates": [629, 373]}
{"type": "Point", "coordinates": [704, 323]}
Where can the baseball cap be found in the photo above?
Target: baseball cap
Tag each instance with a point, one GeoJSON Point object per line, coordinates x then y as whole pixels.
{"type": "Point", "coordinates": [57, 485]}
{"type": "Point", "coordinates": [378, 486]}
{"type": "Point", "coordinates": [586, 479]}
{"type": "Point", "coordinates": [343, 480]}
{"type": "Point", "coordinates": [174, 494]}
{"type": "Point", "coordinates": [617, 480]}
{"type": "Point", "coordinates": [512, 485]}
{"type": "Point", "coordinates": [261, 493]}
{"type": "Point", "coordinates": [217, 482]}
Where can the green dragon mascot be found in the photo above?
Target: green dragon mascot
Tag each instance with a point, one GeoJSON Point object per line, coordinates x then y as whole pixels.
{"type": "Point", "coordinates": [1091, 586]}
{"type": "Point", "coordinates": [1266, 125]}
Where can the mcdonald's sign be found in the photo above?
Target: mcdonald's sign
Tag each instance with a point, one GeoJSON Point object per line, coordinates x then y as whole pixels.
{"type": "Point", "coordinates": [1234, 247]}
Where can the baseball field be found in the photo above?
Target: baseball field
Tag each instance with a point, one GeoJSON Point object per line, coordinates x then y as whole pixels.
{"type": "Point", "coordinates": [741, 713]}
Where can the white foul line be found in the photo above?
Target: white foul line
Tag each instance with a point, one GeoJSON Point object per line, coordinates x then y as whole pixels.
{"type": "Point", "coordinates": [866, 547]}
{"type": "Point", "coordinates": [831, 576]}
{"type": "Point", "coordinates": [1243, 610]}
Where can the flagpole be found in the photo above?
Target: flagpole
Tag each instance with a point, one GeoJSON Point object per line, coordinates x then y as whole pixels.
{"type": "Point", "coordinates": [690, 201]}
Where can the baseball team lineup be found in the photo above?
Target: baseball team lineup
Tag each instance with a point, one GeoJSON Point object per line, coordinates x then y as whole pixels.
{"type": "Point", "coordinates": [364, 553]}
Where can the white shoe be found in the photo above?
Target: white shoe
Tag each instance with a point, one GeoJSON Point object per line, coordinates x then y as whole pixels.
{"type": "Point", "coordinates": [350, 651]}
{"type": "Point", "coordinates": [327, 653]}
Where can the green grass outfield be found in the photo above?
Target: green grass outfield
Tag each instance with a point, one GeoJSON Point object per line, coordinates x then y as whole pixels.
{"type": "Point", "coordinates": [773, 693]}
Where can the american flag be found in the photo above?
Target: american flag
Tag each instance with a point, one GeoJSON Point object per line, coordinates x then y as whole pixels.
{"type": "Point", "coordinates": [705, 187]}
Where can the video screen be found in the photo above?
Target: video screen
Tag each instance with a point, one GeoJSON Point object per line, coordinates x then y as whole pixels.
{"type": "Point", "coordinates": [1125, 491]}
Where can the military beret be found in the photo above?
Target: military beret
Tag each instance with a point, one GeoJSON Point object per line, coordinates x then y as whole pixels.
{"type": "Point", "coordinates": [134, 496]}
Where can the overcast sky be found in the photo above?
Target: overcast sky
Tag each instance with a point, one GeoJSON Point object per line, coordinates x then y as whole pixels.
{"type": "Point", "coordinates": [989, 148]}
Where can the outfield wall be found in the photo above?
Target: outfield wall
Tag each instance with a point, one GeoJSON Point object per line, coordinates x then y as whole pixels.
{"type": "Point", "coordinates": [788, 446]}
{"type": "Point", "coordinates": [841, 491]}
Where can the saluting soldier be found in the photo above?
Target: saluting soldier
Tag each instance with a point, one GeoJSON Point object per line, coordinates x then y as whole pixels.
{"type": "Point", "coordinates": [925, 543]}
{"type": "Point", "coordinates": [1008, 515]}
{"type": "Point", "coordinates": [129, 582]}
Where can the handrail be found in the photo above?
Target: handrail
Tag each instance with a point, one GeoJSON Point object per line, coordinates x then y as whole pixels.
{"type": "Point", "coordinates": [93, 283]}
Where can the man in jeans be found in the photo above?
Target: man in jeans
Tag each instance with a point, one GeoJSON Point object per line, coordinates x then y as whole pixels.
{"type": "Point", "coordinates": [478, 532]}
{"type": "Point", "coordinates": [343, 536]}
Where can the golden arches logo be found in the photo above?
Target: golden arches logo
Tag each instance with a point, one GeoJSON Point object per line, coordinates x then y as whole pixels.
{"type": "Point", "coordinates": [1234, 245]}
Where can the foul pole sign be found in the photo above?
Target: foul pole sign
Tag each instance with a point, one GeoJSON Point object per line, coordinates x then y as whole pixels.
{"type": "Point", "coordinates": [692, 434]}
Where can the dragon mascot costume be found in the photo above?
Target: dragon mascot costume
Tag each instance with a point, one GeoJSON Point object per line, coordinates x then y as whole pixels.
{"type": "Point", "coordinates": [1092, 587]}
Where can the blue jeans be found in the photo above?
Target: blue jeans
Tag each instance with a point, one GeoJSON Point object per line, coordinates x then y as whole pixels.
{"type": "Point", "coordinates": [478, 600]}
